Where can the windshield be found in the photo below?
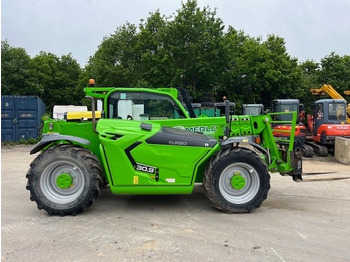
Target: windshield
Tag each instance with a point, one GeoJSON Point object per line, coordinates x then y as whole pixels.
{"type": "Point", "coordinates": [142, 106]}
{"type": "Point", "coordinates": [254, 111]}
{"type": "Point", "coordinates": [285, 108]}
{"type": "Point", "coordinates": [337, 111]}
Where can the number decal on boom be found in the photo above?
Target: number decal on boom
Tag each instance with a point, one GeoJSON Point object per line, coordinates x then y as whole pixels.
{"type": "Point", "coordinates": [144, 168]}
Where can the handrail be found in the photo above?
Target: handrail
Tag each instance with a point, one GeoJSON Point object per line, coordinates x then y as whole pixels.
{"type": "Point", "coordinates": [292, 123]}
{"type": "Point", "coordinates": [281, 122]}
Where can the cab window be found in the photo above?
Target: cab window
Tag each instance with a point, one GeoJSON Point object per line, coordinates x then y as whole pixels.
{"type": "Point", "coordinates": [337, 112]}
{"type": "Point", "coordinates": [142, 106]}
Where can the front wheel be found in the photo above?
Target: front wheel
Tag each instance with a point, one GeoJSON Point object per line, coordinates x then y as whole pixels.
{"type": "Point", "coordinates": [64, 180]}
{"type": "Point", "coordinates": [236, 181]}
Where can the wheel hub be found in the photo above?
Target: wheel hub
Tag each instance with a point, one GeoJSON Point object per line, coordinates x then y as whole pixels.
{"type": "Point", "coordinates": [64, 181]}
{"type": "Point", "coordinates": [237, 181]}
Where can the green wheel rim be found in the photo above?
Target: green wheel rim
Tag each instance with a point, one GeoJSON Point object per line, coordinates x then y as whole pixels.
{"type": "Point", "coordinates": [64, 180]}
{"type": "Point", "coordinates": [237, 181]}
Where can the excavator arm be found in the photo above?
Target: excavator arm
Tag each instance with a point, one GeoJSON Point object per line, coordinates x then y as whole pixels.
{"type": "Point", "coordinates": [326, 89]}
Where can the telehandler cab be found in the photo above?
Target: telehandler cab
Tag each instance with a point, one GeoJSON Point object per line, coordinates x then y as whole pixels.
{"type": "Point", "coordinates": [145, 142]}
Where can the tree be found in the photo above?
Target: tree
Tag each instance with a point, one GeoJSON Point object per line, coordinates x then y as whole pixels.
{"type": "Point", "coordinates": [309, 79]}
{"type": "Point", "coordinates": [283, 74]}
{"type": "Point", "coordinates": [154, 57]}
{"type": "Point", "coordinates": [239, 73]}
{"type": "Point", "coordinates": [260, 71]}
{"type": "Point", "coordinates": [335, 70]}
{"type": "Point", "coordinates": [187, 51]}
{"type": "Point", "coordinates": [310, 73]}
{"type": "Point", "coordinates": [195, 44]}
{"type": "Point", "coordinates": [56, 79]}
{"type": "Point", "coordinates": [14, 71]}
{"type": "Point", "coordinates": [115, 63]}
{"type": "Point", "coordinates": [52, 78]}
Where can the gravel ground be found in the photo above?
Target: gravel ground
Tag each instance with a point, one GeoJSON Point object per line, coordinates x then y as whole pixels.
{"type": "Point", "coordinates": [304, 221]}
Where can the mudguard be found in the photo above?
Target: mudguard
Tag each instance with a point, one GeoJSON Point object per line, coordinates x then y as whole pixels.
{"type": "Point", "coordinates": [250, 140]}
{"type": "Point", "coordinates": [49, 138]}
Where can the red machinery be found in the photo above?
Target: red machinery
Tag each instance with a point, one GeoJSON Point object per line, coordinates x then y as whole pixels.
{"type": "Point", "coordinates": [328, 122]}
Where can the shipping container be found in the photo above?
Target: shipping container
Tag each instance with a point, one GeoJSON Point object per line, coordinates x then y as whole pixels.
{"type": "Point", "coordinates": [21, 117]}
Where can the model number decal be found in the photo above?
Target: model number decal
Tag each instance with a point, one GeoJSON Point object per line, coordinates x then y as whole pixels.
{"type": "Point", "coordinates": [144, 168]}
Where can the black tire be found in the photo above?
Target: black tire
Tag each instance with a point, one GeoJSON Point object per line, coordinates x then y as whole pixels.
{"type": "Point", "coordinates": [64, 180]}
{"type": "Point", "coordinates": [240, 168]}
{"type": "Point", "coordinates": [308, 151]}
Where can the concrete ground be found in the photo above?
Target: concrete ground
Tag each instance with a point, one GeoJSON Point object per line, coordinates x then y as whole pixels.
{"type": "Point", "coordinates": [305, 221]}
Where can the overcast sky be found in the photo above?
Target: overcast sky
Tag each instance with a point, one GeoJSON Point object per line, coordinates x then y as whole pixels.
{"type": "Point", "coordinates": [312, 29]}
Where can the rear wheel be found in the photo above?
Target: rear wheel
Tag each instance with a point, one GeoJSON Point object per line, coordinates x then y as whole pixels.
{"type": "Point", "coordinates": [236, 181]}
{"type": "Point", "coordinates": [64, 180]}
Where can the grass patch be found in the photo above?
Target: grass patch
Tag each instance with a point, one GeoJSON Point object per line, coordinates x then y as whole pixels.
{"type": "Point", "coordinates": [30, 141]}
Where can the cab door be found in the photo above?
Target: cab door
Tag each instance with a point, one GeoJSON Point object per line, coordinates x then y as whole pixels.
{"type": "Point", "coordinates": [319, 116]}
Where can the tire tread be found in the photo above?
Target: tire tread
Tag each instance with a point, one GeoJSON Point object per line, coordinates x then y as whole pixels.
{"type": "Point", "coordinates": [215, 196]}
{"type": "Point", "coordinates": [95, 171]}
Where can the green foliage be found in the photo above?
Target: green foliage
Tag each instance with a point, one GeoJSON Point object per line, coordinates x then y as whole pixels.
{"type": "Point", "coordinates": [186, 51]}
{"type": "Point", "coordinates": [336, 72]}
{"type": "Point", "coordinates": [283, 74]}
{"type": "Point", "coordinates": [309, 79]}
{"type": "Point", "coordinates": [115, 62]}
{"type": "Point", "coordinates": [195, 43]}
{"type": "Point", "coordinates": [333, 70]}
{"type": "Point", "coordinates": [14, 71]}
{"type": "Point", "coordinates": [30, 141]}
{"type": "Point", "coordinates": [56, 79]}
{"type": "Point", "coordinates": [260, 71]}
{"type": "Point", "coordinates": [189, 49]}
{"type": "Point", "coordinates": [53, 79]}
{"type": "Point", "coordinates": [154, 66]}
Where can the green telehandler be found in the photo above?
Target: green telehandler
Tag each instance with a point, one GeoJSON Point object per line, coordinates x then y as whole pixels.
{"type": "Point", "coordinates": [149, 141]}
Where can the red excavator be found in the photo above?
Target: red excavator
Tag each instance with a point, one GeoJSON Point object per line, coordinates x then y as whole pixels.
{"type": "Point", "coordinates": [328, 89]}
{"type": "Point", "coordinates": [327, 122]}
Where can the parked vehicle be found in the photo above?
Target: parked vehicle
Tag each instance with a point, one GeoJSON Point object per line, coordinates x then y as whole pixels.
{"type": "Point", "coordinates": [145, 142]}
